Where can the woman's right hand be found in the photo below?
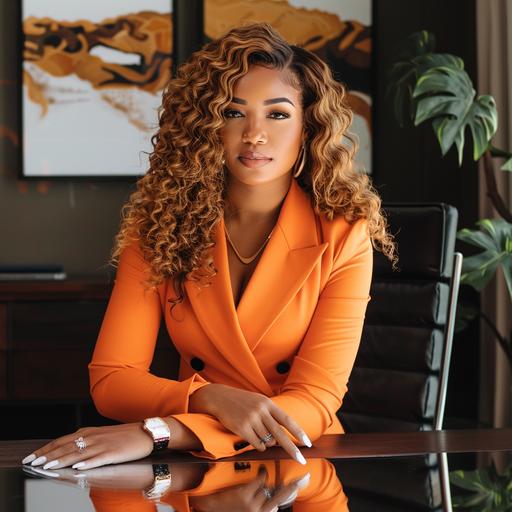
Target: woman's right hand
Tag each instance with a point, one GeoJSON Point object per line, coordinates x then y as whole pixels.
{"type": "Point", "coordinates": [249, 415]}
{"type": "Point", "coordinates": [250, 496]}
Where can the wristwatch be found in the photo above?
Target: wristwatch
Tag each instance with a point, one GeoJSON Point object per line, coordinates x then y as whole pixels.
{"type": "Point", "coordinates": [158, 429]}
{"type": "Point", "coordinates": [161, 484]}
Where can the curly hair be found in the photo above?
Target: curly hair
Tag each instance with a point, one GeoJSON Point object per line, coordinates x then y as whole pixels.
{"type": "Point", "coordinates": [173, 212]}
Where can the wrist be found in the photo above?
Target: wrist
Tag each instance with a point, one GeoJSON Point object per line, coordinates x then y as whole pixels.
{"type": "Point", "coordinates": [182, 438]}
{"type": "Point", "coordinates": [200, 401]}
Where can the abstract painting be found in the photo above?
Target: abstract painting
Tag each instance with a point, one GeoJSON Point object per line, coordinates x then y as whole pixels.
{"type": "Point", "coordinates": [92, 76]}
{"type": "Point", "coordinates": [338, 31]}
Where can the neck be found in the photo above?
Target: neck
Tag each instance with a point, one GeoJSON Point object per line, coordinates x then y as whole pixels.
{"type": "Point", "coordinates": [248, 204]}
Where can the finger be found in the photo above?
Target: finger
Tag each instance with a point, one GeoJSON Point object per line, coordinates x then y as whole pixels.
{"type": "Point", "coordinates": [257, 485]}
{"type": "Point", "coordinates": [71, 457]}
{"type": "Point", "coordinates": [283, 440]}
{"type": "Point", "coordinates": [52, 445]}
{"type": "Point", "coordinates": [262, 431]}
{"type": "Point", "coordinates": [286, 494]}
{"type": "Point", "coordinates": [56, 450]}
{"type": "Point", "coordinates": [290, 424]}
{"type": "Point", "coordinates": [253, 439]}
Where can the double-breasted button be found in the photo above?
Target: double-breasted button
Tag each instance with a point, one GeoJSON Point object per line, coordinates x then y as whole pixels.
{"type": "Point", "coordinates": [283, 367]}
{"type": "Point", "coordinates": [197, 364]}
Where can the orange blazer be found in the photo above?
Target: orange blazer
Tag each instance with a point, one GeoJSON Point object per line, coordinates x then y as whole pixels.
{"type": "Point", "coordinates": [293, 337]}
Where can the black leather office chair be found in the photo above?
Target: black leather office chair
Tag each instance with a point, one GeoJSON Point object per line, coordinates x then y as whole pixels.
{"type": "Point", "coordinates": [400, 376]}
{"type": "Point", "coordinates": [399, 379]}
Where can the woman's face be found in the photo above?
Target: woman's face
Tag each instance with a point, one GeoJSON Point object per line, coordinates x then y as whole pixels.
{"type": "Point", "coordinates": [262, 134]}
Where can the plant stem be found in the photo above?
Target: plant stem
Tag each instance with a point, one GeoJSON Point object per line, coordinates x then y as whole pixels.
{"type": "Point", "coordinates": [499, 153]}
{"type": "Point", "coordinates": [502, 341]}
{"type": "Point", "coordinates": [492, 189]}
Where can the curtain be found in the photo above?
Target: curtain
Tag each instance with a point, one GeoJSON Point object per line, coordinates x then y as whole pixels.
{"type": "Point", "coordinates": [494, 54]}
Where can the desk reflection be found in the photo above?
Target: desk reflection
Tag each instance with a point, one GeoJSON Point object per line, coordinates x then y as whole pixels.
{"type": "Point", "coordinates": [260, 485]}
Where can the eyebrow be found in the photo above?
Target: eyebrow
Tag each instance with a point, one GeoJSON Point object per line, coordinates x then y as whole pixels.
{"type": "Point", "coordinates": [266, 102]}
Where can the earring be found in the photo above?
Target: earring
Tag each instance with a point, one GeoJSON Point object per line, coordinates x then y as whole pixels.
{"type": "Point", "coordinates": [223, 161]}
{"type": "Point", "coordinates": [302, 161]}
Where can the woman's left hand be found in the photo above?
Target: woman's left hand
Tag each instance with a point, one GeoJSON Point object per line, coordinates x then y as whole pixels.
{"type": "Point", "coordinates": [104, 445]}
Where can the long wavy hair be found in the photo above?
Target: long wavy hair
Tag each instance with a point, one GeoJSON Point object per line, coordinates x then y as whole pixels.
{"type": "Point", "coordinates": [177, 203]}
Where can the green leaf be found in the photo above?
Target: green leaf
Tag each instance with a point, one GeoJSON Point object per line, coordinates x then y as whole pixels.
{"type": "Point", "coordinates": [445, 94]}
{"type": "Point", "coordinates": [495, 237]}
{"type": "Point", "coordinates": [507, 166]}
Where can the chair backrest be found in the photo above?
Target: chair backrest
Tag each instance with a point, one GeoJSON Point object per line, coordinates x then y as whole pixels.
{"type": "Point", "coordinates": [406, 340]}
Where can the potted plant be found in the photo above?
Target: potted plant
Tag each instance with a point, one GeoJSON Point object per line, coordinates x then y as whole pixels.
{"type": "Point", "coordinates": [426, 86]}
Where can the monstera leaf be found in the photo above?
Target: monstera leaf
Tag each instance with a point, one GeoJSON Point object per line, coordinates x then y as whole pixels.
{"type": "Point", "coordinates": [495, 237]}
{"type": "Point", "coordinates": [446, 95]}
{"type": "Point", "coordinates": [488, 491]}
{"type": "Point", "coordinates": [413, 60]}
{"type": "Point", "coordinates": [426, 85]}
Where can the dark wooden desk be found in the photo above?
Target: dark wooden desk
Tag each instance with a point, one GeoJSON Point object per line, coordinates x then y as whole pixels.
{"type": "Point", "coordinates": [334, 446]}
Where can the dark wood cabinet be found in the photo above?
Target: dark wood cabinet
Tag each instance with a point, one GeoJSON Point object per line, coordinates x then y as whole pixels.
{"type": "Point", "coordinates": [48, 330]}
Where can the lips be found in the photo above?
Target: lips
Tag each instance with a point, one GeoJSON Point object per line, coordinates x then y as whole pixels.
{"type": "Point", "coordinates": [253, 155]}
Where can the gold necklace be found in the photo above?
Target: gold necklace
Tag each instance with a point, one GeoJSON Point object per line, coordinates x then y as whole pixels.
{"type": "Point", "coordinates": [248, 260]}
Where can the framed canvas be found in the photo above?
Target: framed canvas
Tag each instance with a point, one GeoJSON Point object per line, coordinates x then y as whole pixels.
{"type": "Point", "coordinates": [92, 79]}
{"type": "Point", "coordinates": [338, 31]}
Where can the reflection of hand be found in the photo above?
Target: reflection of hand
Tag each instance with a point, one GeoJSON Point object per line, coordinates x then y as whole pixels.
{"type": "Point", "coordinates": [250, 415]}
{"type": "Point", "coordinates": [124, 476]}
{"type": "Point", "coordinates": [104, 445]}
{"type": "Point", "coordinates": [250, 497]}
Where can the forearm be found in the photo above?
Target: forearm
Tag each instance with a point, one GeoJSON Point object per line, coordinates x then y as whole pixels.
{"type": "Point", "coordinates": [122, 393]}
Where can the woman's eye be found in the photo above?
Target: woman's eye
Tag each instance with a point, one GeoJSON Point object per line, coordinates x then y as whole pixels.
{"type": "Point", "coordinates": [285, 116]}
{"type": "Point", "coordinates": [227, 113]}
{"type": "Point", "coordinates": [230, 114]}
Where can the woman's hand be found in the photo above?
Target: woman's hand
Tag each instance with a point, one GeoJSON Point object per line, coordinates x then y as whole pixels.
{"type": "Point", "coordinates": [104, 445]}
{"type": "Point", "coordinates": [250, 496]}
{"type": "Point", "coordinates": [251, 416]}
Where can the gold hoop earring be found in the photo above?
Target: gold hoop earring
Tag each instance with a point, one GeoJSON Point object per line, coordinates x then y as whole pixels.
{"type": "Point", "coordinates": [301, 166]}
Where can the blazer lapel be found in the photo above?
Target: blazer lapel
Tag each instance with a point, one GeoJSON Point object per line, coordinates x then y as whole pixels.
{"type": "Point", "coordinates": [285, 264]}
{"type": "Point", "coordinates": [289, 257]}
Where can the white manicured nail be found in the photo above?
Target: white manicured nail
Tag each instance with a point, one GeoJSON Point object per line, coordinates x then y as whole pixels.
{"type": "Point", "coordinates": [306, 441]}
{"type": "Point", "coordinates": [78, 465]}
{"type": "Point", "coordinates": [290, 498]}
{"type": "Point", "coordinates": [303, 481]}
{"type": "Point", "coordinates": [300, 458]}
{"type": "Point", "coordinates": [39, 460]}
{"type": "Point", "coordinates": [51, 464]}
{"type": "Point", "coordinates": [28, 458]}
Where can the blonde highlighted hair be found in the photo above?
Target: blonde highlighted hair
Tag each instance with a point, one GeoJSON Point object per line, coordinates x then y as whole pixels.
{"type": "Point", "coordinates": [178, 202]}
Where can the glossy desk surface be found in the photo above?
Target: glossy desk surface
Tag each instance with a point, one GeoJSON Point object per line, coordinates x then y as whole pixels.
{"type": "Point", "coordinates": [356, 472]}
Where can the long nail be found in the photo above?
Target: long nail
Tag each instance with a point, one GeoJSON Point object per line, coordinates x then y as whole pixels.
{"type": "Point", "coordinates": [78, 465]}
{"type": "Point", "coordinates": [304, 481]}
{"type": "Point", "coordinates": [306, 441]}
{"type": "Point", "coordinates": [51, 464]}
{"type": "Point", "coordinates": [39, 460]}
{"type": "Point", "coordinates": [290, 498]}
{"type": "Point", "coordinates": [300, 458]}
{"type": "Point", "coordinates": [28, 458]}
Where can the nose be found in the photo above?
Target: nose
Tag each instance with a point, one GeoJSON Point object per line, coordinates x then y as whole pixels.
{"type": "Point", "coordinates": [254, 133]}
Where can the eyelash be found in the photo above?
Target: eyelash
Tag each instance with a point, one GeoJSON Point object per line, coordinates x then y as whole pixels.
{"type": "Point", "coordinates": [286, 116]}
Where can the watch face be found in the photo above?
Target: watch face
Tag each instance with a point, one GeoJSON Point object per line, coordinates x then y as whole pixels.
{"type": "Point", "coordinates": [154, 422]}
{"type": "Point", "coordinates": [159, 431]}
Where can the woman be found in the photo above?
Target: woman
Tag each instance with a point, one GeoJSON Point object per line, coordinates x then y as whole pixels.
{"type": "Point", "coordinates": [251, 237]}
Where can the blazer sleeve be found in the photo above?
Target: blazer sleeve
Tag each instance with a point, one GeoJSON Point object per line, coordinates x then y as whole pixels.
{"type": "Point", "coordinates": [314, 389]}
{"type": "Point", "coordinates": [120, 383]}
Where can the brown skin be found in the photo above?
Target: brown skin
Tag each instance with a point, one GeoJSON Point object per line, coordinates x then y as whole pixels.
{"type": "Point", "coordinates": [255, 196]}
